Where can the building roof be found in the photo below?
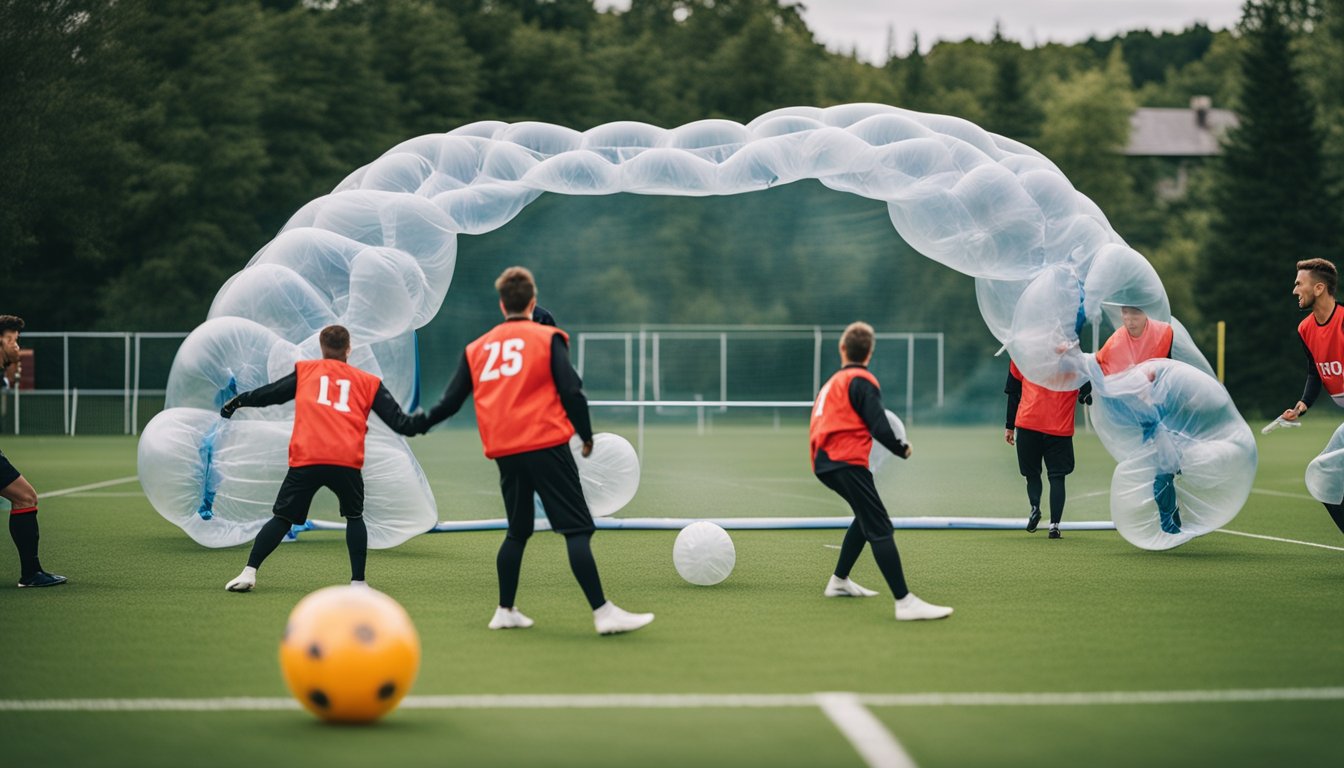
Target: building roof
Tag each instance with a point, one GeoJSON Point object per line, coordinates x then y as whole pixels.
{"type": "Point", "coordinates": [1162, 132]}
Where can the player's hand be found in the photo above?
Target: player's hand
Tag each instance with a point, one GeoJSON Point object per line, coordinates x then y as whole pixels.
{"type": "Point", "coordinates": [1008, 436]}
{"type": "Point", "coordinates": [419, 423]}
{"type": "Point", "coordinates": [587, 448]}
{"type": "Point", "coordinates": [229, 408]}
{"type": "Point", "coordinates": [1294, 413]}
{"type": "Point", "coordinates": [1085, 398]}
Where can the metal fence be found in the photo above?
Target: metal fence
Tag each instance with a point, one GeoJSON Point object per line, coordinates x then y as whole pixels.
{"type": "Point", "coordinates": [89, 382]}
{"type": "Point", "coordinates": [115, 382]}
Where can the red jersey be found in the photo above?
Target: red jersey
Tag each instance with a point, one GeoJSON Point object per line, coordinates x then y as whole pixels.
{"type": "Point", "coordinates": [1326, 345]}
{"type": "Point", "coordinates": [1122, 351]}
{"type": "Point", "coordinates": [332, 400]}
{"type": "Point", "coordinates": [836, 427]}
{"type": "Point", "coordinates": [1044, 410]}
{"type": "Point", "coordinates": [517, 405]}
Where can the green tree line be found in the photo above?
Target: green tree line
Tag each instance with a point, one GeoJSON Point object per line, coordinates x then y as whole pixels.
{"type": "Point", "coordinates": [151, 147]}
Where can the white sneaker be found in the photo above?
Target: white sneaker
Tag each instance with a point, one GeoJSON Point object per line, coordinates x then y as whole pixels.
{"type": "Point", "coordinates": [244, 582]}
{"type": "Point", "coordinates": [611, 619]}
{"type": "Point", "coordinates": [838, 587]}
{"type": "Point", "coordinates": [911, 608]}
{"type": "Point", "coordinates": [509, 618]}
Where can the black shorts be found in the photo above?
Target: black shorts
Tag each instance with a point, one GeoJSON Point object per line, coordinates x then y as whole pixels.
{"type": "Point", "coordinates": [552, 474]}
{"type": "Point", "coordinates": [855, 485]}
{"type": "Point", "coordinates": [301, 483]}
{"type": "Point", "coordinates": [1033, 446]}
{"type": "Point", "coordinates": [8, 474]}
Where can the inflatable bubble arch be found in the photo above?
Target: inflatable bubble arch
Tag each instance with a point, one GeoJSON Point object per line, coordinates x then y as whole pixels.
{"type": "Point", "coordinates": [377, 255]}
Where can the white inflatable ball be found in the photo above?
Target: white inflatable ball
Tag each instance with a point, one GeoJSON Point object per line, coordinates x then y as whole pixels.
{"type": "Point", "coordinates": [610, 475]}
{"type": "Point", "coordinates": [704, 553]}
{"type": "Point", "coordinates": [878, 457]}
{"type": "Point", "coordinates": [1325, 473]}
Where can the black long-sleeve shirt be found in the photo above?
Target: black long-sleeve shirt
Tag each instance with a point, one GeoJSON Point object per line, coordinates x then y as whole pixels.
{"type": "Point", "coordinates": [567, 383]}
{"type": "Point", "coordinates": [284, 389]}
{"type": "Point", "coordinates": [866, 400]}
{"type": "Point", "coordinates": [1313, 387]}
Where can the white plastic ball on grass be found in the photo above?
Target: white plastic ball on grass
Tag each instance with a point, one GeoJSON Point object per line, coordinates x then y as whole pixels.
{"type": "Point", "coordinates": [704, 553]}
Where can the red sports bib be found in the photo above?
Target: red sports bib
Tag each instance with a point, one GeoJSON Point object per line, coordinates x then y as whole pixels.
{"type": "Point", "coordinates": [1044, 410]}
{"type": "Point", "coordinates": [1326, 344]}
{"type": "Point", "coordinates": [836, 427]}
{"type": "Point", "coordinates": [331, 413]}
{"type": "Point", "coordinates": [517, 405]}
{"type": "Point", "coordinates": [1122, 351]}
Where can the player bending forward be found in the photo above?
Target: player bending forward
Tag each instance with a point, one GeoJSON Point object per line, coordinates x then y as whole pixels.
{"type": "Point", "coordinates": [847, 415]}
{"type": "Point", "coordinates": [529, 403]}
{"type": "Point", "coordinates": [332, 400]}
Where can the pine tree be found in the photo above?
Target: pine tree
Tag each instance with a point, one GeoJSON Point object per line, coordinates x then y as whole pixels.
{"type": "Point", "coordinates": [1012, 112]}
{"type": "Point", "coordinates": [1271, 209]}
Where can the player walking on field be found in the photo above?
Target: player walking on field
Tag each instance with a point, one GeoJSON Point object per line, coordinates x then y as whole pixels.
{"type": "Point", "coordinates": [529, 403]}
{"type": "Point", "coordinates": [846, 417]}
{"type": "Point", "coordinates": [1138, 339]}
{"type": "Point", "coordinates": [1043, 419]}
{"type": "Point", "coordinates": [1322, 334]}
{"type": "Point", "coordinates": [17, 490]}
{"type": "Point", "coordinates": [332, 400]}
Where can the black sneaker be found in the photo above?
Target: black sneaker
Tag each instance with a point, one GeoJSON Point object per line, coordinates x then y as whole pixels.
{"type": "Point", "coordinates": [1054, 533]}
{"type": "Point", "coordinates": [1033, 519]}
{"type": "Point", "coordinates": [42, 579]}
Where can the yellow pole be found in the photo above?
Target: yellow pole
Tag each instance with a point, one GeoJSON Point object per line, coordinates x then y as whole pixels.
{"type": "Point", "coordinates": [1222, 348]}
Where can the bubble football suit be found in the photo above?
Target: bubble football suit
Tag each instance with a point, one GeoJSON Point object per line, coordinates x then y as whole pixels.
{"type": "Point", "coordinates": [377, 255]}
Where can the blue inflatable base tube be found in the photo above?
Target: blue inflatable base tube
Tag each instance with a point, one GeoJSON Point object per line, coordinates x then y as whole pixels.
{"type": "Point", "coordinates": [760, 524]}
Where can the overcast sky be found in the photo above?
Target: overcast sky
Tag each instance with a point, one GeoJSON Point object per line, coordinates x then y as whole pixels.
{"type": "Point", "coordinates": [862, 24]}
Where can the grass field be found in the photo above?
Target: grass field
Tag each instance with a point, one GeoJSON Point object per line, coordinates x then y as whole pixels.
{"type": "Point", "coordinates": [1226, 651]}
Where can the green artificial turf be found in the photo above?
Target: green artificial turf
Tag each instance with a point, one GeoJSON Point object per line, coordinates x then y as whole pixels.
{"type": "Point", "coordinates": [145, 615]}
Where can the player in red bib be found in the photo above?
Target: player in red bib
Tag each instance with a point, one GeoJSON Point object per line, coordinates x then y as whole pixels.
{"type": "Point", "coordinates": [332, 400]}
{"type": "Point", "coordinates": [20, 494]}
{"type": "Point", "coordinates": [1138, 339]}
{"type": "Point", "coordinates": [1322, 334]}
{"type": "Point", "coordinates": [1043, 419]}
{"type": "Point", "coordinates": [846, 417]}
{"type": "Point", "coordinates": [529, 403]}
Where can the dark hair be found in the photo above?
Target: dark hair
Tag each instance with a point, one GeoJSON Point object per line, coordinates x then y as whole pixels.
{"type": "Point", "coordinates": [10, 323]}
{"type": "Point", "coordinates": [1322, 271]}
{"type": "Point", "coordinates": [858, 342]}
{"type": "Point", "coordinates": [335, 340]}
{"type": "Point", "coordinates": [516, 288]}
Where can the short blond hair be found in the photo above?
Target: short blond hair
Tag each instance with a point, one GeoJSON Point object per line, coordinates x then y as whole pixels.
{"type": "Point", "coordinates": [857, 341]}
{"type": "Point", "coordinates": [516, 288]}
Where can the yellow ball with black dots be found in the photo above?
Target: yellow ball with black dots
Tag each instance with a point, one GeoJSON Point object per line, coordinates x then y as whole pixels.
{"type": "Point", "coordinates": [349, 654]}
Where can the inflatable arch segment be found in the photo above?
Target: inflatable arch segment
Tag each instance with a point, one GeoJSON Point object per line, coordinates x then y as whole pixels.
{"type": "Point", "coordinates": [377, 255]}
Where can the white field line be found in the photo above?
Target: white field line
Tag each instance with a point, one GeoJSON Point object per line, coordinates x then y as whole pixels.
{"type": "Point", "coordinates": [869, 737]}
{"type": "Point", "coordinates": [1282, 494]}
{"type": "Point", "coordinates": [1285, 541]}
{"type": "Point", "coordinates": [89, 487]}
{"type": "Point", "coordinates": [702, 700]}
